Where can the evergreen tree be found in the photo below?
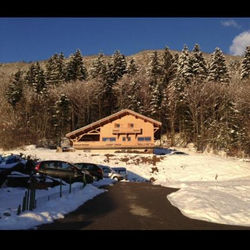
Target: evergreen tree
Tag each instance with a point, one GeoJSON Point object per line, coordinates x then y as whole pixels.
{"type": "Point", "coordinates": [61, 68]}
{"type": "Point", "coordinates": [30, 75]}
{"type": "Point", "coordinates": [98, 67]}
{"type": "Point", "coordinates": [245, 65]}
{"type": "Point", "coordinates": [119, 65]}
{"type": "Point", "coordinates": [39, 85]}
{"type": "Point", "coordinates": [132, 68]}
{"type": "Point", "coordinates": [198, 64]}
{"type": "Point", "coordinates": [169, 67]}
{"type": "Point", "coordinates": [133, 100]}
{"type": "Point", "coordinates": [61, 117]}
{"type": "Point", "coordinates": [35, 78]}
{"type": "Point", "coordinates": [50, 70]}
{"type": "Point", "coordinates": [75, 69]}
{"type": "Point", "coordinates": [184, 66]}
{"type": "Point", "coordinates": [155, 69]}
{"type": "Point", "coordinates": [15, 89]}
{"type": "Point", "coordinates": [55, 69]}
{"type": "Point", "coordinates": [155, 102]}
{"type": "Point", "coordinates": [218, 71]}
{"type": "Point", "coordinates": [107, 97]}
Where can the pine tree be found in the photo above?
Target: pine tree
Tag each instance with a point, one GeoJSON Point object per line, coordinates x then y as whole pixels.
{"type": "Point", "coordinates": [133, 100]}
{"type": "Point", "coordinates": [169, 67]}
{"type": "Point", "coordinates": [55, 69]}
{"type": "Point", "coordinates": [30, 75]}
{"type": "Point", "coordinates": [75, 69]}
{"type": "Point", "coordinates": [119, 65]}
{"type": "Point", "coordinates": [245, 65]}
{"type": "Point", "coordinates": [198, 64]}
{"type": "Point", "coordinates": [218, 71]}
{"type": "Point", "coordinates": [184, 66]}
{"type": "Point", "coordinates": [155, 69]}
{"type": "Point", "coordinates": [98, 67]}
{"type": "Point", "coordinates": [107, 97]}
{"type": "Point", "coordinates": [50, 71]}
{"type": "Point", "coordinates": [39, 85]}
{"type": "Point", "coordinates": [15, 89]}
{"type": "Point", "coordinates": [61, 118]}
{"type": "Point", "coordinates": [132, 68]}
{"type": "Point", "coordinates": [155, 103]}
{"type": "Point", "coordinates": [35, 78]}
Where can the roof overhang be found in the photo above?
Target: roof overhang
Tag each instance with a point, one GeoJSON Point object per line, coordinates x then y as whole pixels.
{"type": "Point", "coordinates": [108, 119]}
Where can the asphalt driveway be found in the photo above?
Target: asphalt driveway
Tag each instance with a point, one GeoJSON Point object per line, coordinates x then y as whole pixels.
{"type": "Point", "coordinates": [132, 206]}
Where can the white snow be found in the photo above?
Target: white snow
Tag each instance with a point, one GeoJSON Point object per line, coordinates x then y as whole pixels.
{"type": "Point", "coordinates": [46, 212]}
{"type": "Point", "coordinates": [211, 188]}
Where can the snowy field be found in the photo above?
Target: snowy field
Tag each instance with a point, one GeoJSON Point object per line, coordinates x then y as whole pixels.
{"type": "Point", "coordinates": [211, 188]}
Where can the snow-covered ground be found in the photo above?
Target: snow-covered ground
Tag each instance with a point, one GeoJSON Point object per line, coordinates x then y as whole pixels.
{"type": "Point", "coordinates": [211, 188]}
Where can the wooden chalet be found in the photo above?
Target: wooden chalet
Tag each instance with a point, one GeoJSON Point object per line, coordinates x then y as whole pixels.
{"type": "Point", "coordinates": [124, 129]}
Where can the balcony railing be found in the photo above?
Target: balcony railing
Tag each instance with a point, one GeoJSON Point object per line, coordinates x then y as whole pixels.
{"type": "Point", "coordinates": [127, 131]}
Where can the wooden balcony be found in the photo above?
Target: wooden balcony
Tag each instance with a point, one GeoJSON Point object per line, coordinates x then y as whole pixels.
{"type": "Point", "coordinates": [116, 131]}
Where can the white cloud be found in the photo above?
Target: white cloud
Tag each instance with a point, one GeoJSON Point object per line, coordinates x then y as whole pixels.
{"type": "Point", "coordinates": [230, 23]}
{"type": "Point", "coordinates": [239, 43]}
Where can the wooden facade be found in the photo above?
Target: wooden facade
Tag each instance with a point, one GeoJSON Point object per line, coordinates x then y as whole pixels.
{"type": "Point", "coordinates": [124, 129]}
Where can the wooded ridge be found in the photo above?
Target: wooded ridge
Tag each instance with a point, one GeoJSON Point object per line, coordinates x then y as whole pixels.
{"type": "Point", "coordinates": [202, 98]}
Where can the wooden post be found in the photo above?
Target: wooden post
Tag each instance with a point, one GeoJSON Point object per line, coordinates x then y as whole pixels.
{"type": "Point", "coordinates": [70, 184]}
{"type": "Point", "coordinates": [24, 202]}
{"type": "Point", "coordinates": [60, 188]}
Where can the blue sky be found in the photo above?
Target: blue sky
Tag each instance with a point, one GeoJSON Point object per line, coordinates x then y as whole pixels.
{"type": "Point", "coordinates": [34, 39]}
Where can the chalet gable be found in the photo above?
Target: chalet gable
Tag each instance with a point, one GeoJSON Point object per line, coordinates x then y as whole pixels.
{"type": "Point", "coordinates": [95, 126]}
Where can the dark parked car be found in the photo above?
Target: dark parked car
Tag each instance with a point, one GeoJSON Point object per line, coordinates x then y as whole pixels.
{"type": "Point", "coordinates": [15, 163]}
{"type": "Point", "coordinates": [63, 170]}
{"type": "Point", "coordinates": [94, 169]}
{"type": "Point", "coordinates": [17, 179]}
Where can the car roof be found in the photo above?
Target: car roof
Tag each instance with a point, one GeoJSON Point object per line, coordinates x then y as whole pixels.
{"type": "Point", "coordinates": [86, 163]}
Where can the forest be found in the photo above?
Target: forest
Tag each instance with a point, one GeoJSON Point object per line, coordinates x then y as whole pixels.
{"type": "Point", "coordinates": [199, 98]}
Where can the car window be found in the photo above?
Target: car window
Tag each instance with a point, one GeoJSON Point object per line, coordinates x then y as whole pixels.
{"type": "Point", "coordinates": [51, 164]}
{"type": "Point", "coordinates": [106, 170]}
{"type": "Point", "coordinates": [66, 165]}
{"type": "Point", "coordinates": [87, 166]}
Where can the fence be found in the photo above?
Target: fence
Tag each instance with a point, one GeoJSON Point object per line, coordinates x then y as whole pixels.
{"type": "Point", "coordinates": [64, 193]}
{"type": "Point", "coordinates": [30, 202]}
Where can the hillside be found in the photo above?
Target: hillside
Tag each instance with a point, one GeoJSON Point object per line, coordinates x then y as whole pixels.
{"type": "Point", "coordinates": [141, 58]}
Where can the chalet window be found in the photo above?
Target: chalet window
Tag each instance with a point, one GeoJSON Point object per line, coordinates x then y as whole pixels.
{"type": "Point", "coordinates": [108, 139]}
{"type": "Point", "coordinates": [117, 125]}
{"type": "Point", "coordinates": [148, 138]}
{"type": "Point", "coordinates": [90, 137]}
{"type": "Point", "coordinates": [131, 125]}
{"type": "Point", "coordinates": [128, 138]}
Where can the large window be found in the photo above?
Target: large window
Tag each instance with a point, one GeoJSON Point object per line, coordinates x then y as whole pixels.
{"type": "Point", "coordinates": [108, 139]}
{"type": "Point", "coordinates": [89, 137]}
{"type": "Point", "coordinates": [147, 138]}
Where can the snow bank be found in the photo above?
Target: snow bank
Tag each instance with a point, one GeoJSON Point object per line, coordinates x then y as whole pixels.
{"type": "Point", "coordinates": [50, 210]}
{"type": "Point", "coordinates": [225, 203]}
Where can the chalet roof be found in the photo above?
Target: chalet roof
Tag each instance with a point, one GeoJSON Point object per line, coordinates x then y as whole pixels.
{"type": "Point", "coordinates": [108, 119]}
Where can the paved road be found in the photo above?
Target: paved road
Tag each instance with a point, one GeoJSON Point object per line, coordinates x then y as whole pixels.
{"type": "Point", "coordinates": [132, 206]}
